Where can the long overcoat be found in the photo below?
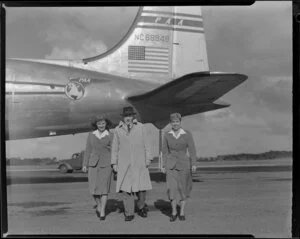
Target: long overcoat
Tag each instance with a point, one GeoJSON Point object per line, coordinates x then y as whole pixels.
{"type": "Point", "coordinates": [130, 152]}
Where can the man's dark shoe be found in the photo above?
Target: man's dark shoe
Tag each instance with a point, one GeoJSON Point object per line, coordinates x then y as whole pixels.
{"type": "Point", "coordinates": [143, 212]}
{"type": "Point", "coordinates": [129, 218]}
{"type": "Point", "coordinates": [182, 218]}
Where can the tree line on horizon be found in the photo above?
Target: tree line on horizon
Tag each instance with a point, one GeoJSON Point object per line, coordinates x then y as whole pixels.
{"type": "Point", "coordinates": [243, 156]}
{"type": "Point", "coordinates": [30, 161]}
{"type": "Point", "coordinates": [246, 156]}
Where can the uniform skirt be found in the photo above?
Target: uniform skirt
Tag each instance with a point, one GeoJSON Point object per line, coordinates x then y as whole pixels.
{"type": "Point", "coordinates": [179, 183]}
{"type": "Point", "coordinates": [100, 180]}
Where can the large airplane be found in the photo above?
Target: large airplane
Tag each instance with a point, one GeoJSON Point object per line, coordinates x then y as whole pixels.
{"type": "Point", "coordinates": [160, 66]}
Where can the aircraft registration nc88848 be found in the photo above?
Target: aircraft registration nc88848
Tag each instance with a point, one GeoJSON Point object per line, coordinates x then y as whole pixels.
{"type": "Point", "coordinates": [160, 66]}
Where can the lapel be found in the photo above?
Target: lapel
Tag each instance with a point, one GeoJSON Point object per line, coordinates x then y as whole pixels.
{"type": "Point", "coordinates": [181, 132]}
{"type": "Point", "coordinates": [100, 135]}
{"type": "Point", "coordinates": [123, 127]}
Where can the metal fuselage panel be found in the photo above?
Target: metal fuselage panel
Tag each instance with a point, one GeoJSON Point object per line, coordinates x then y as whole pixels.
{"type": "Point", "coordinates": [44, 99]}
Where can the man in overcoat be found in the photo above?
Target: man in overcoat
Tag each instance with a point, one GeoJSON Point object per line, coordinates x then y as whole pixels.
{"type": "Point", "coordinates": [130, 157]}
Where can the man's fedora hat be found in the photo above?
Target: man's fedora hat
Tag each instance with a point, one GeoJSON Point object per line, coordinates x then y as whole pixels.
{"type": "Point", "coordinates": [128, 111]}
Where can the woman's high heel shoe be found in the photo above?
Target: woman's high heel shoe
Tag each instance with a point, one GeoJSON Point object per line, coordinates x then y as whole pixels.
{"type": "Point", "coordinates": [182, 218]}
{"type": "Point", "coordinates": [173, 218]}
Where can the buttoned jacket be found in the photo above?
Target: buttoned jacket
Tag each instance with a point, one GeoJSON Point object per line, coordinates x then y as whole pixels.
{"type": "Point", "coordinates": [98, 150]}
{"type": "Point", "coordinates": [175, 150]}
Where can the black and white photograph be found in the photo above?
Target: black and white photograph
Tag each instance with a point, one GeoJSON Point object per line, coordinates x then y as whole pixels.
{"type": "Point", "coordinates": [149, 120]}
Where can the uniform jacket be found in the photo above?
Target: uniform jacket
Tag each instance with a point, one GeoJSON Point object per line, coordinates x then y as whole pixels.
{"type": "Point", "coordinates": [175, 150]}
{"type": "Point", "coordinates": [131, 150]}
{"type": "Point", "coordinates": [98, 150]}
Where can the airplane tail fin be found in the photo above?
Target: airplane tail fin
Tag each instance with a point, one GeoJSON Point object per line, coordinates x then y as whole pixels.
{"type": "Point", "coordinates": [189, 45]}
{"type": "Point", "coordinates": [162, 44]}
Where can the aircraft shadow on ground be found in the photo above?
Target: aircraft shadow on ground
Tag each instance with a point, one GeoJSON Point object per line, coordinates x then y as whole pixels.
{"type": "Point", "coordinates": [33, 180]}
{"type": "Point", "coordinates": [28, 205]}
{"type": "Point", "coordinates": [159, 177]}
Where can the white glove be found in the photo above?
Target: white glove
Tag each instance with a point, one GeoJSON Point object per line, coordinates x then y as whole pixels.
{"type": "Point", "coordinates": [84, 169]}
{"type": "Point", "coordinates": [115, 168]}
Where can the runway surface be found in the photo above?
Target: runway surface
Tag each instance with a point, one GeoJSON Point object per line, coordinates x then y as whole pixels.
{"type": "Point", "coordinates": [232, 198]}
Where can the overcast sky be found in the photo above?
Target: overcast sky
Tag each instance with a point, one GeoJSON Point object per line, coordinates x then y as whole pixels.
{"type": "Point", "coordinates": [253, 40]}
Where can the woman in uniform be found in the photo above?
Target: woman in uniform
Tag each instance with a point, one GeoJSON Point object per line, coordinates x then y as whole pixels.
{"type": "Point", "coordinates": [177, 165]}
{"type": "Point", "coordinates": [97, 162]}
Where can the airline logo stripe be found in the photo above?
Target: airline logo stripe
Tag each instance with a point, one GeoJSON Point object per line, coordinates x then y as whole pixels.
{"type": "Point", "coordinates": [172, 16]}
{"type": "Point", "coordinates": [173, 13]}
{"type": "Point", "coordinates": [148, 59]}
{"type": "Point", "coordinates": [171, 21]}
{"type": "Point", "coordinates": [171, 28]}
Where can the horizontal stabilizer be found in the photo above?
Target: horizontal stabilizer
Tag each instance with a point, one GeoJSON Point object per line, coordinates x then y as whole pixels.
{"type": "Point", "coordinates": [195, 88]}
{"type": "Point", "coordinates": [191, 94]}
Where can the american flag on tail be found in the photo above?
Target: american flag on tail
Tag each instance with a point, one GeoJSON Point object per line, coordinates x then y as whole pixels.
{"type": "Point", "coordinates": [148, 59]}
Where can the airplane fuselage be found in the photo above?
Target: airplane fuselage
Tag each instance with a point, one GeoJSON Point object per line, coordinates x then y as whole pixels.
{"type": "Point", "coordinates": [47, 100]}
{"type": "Point", "coordinates": [159, 67]}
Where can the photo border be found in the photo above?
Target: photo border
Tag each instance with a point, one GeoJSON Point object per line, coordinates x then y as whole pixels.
{"type": "Point", "coordinates": [89, 3]}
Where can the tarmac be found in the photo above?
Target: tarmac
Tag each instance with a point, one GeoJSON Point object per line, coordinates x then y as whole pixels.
{"type": "Point", "coordinates": [227, 198]}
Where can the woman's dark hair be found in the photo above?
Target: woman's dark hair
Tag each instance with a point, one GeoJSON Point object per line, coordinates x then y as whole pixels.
{"type": "Point", "coordinates": [101, 118]}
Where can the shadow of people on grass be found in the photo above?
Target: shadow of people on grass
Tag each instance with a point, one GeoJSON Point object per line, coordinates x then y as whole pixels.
{"type": "Point", "coordinates": [163, 206]}
{"type": "Point", "coordinates": [158, 177]}
{"type": "Point", "coordinates": [113, 205]}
